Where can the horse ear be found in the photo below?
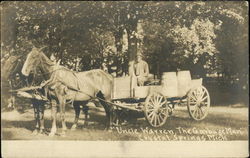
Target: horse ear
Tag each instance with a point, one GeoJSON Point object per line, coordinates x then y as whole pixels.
{"type": "Point", "coordinates": [58, 62]}
{"type": "Point", "coordinates": [41, 48]}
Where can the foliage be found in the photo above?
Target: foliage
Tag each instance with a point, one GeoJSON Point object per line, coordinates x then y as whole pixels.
{"type": "Point", "coordinates": [204, 37]}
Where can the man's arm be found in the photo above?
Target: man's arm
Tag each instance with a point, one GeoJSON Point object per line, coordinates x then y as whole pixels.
{"type": "Point", "coordinates": [146, 69]}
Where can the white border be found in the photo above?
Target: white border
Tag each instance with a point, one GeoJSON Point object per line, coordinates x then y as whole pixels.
{"type": "Point", "coordinates": [124, 149]}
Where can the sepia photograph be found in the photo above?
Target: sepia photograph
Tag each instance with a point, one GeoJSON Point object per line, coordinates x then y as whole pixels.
{"type": "Point", "coordinates": [110, 75]}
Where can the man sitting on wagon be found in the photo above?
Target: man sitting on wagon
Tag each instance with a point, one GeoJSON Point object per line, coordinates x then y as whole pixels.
{"type": "Point", "coordinates": [140, 69]}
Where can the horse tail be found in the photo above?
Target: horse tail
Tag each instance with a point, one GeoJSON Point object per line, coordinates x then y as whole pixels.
{"type": "Point", "coordinates": [100, 97]}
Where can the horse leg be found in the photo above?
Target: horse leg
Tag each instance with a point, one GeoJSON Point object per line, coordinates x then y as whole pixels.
{"type": "Point", "coordinates": [41, 118]}
{"type": "Point", "coordinates": [77, 114]}
{"type": "Point", "coordinates": [109, 113]}
{"type": "Point", "coordinates": [62, 103]}
{"type": "Point", "coordinates": [85, 110]}
{"type": "Point", "coordinates": [111, 116]}
{"type": "Point", "coordinates": [36, 115]}
{"type": "Point", "coordinates": [53, 116]}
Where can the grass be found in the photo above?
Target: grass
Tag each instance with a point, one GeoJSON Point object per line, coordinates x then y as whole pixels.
{"type": "Point", "coordinates": [16, 126]}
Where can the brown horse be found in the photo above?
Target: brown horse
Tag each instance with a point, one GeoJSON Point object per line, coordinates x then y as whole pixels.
{"type": "Point", "coordinates": [11, 78]}
{"type": "Point", "coordinates": [65, 85]}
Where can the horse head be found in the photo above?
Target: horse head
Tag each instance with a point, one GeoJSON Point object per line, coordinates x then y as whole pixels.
{"type": "Point", "coordinates": [33, 60]}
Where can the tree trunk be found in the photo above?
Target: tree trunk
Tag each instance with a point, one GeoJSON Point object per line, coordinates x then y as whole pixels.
{"type": "Point", "coordinates": [132, 48]}
{"type": "Point", "coordinates": [118, 43]}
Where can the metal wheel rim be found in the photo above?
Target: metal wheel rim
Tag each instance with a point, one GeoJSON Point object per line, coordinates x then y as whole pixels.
{"type": "Point", "coordinates": [156, 110]}
{"type": "Point", "coordinates": [198, 103]}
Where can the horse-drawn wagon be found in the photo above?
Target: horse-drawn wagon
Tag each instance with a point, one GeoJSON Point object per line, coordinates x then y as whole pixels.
{"type": "Point", "coordinates": [122, 93]}
{"type": "Point", "coordinates": [158, 101]}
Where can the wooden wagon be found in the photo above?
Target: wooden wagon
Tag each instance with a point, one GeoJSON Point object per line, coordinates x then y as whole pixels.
{"type": "Point", "coordinates": [155, 101]}
{"type": "Point", "coordinates": [158, 101]}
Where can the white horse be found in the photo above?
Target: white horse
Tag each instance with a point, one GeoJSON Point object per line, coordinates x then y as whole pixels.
{"type": "Point", "coordinates": [65, 85]}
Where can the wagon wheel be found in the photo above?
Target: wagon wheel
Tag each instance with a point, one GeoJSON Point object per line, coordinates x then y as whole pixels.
{"type": "Point", "coordinates": [198, 103]}
{"type": "Point", "coordinates": [156, 109]}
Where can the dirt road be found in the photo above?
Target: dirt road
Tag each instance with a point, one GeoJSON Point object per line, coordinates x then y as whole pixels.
{"type": "Point", "coordinates": [222, 123]}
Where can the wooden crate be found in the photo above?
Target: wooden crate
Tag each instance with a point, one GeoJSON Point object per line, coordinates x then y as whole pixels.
{"type": "Point", "coordinates": [169, 84]}
{"type": "Point", "coordinates": [184, 82]}
{"type": "Point", "coordinates": [141, 92]}
{"type": "Point", "coordinates": [122, 88]}
{"type": "Point", "coordinates": [144, 91]}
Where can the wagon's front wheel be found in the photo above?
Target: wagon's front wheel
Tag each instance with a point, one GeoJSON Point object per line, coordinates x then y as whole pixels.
{"type": "Point", "coordinates": [198, 103]}
{"type": "Point", "coordinates": [156, 109]}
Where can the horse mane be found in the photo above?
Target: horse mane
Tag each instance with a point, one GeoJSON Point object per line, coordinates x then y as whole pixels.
{"type": "Point", "coordinates": [47, 60]}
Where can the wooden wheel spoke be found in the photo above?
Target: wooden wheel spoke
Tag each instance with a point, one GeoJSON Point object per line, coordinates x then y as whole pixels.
{"type": "Point", "coordinates": [155, 98]}
{"type": "Point", "coordinates": [150, 109]}
{"type": "Point", "coordinates": [155, 110]}
{"type": "Point", "coordinates": [199, 94]}
{"type": "Point", "coordinates": [204, 108]}
{"type": "Point", "coordinates": [152, 118]}
{"type": "Point", "coordinates": [198, 103]}
{"type": "Point", "coordinates": [196, 94]}
{"type": "Point", "coordinates": [151, 114]}
{"type": "Point", "coordinates": [193, 97]}
{"type": "Point", "coordinates": [204, 98]}
{"type": "Point", "coordinates": [155, 120]}
{"type": "Point", "coordinates": [160, 99]}
{"type": "Point", "coordinates": [162, 103]}
{"type": "Point", "coordinates": [197, 113]}
{"type": "Point", "coordinates": [203, 93]}
{"type": "Point", "coordinates": [150, 106]}
{"type": "Point", "coordinates": [158, 119]}
{"type": "Point", "coordinates": [152, 101]}
{"type": "Point", "coordinates": [202, 113]}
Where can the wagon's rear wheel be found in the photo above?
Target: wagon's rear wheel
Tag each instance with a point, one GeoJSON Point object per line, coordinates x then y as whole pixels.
{"type": "Point", "coordinates": [198, 103]}
{"type": "Point", "coordinates": [156, 109]}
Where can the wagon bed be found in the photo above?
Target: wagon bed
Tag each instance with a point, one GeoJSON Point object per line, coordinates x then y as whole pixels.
{"type": "Point", "coordinates": [158, 101]}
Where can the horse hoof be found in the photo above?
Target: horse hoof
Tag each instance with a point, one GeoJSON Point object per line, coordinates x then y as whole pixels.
{"type": "Point", "coordinates": [35, 132]}
{"type": "Point", "coordinates": [73, 127]}
{"type": "Point", "coordinates": [51, 134]}
{"type": "Point", "coordinates": [42, 132]}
